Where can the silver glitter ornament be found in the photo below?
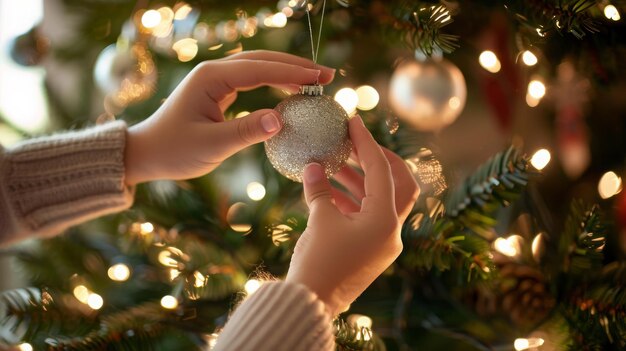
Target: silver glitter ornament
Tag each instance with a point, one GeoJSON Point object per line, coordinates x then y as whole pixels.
{"type": "Point", "coordinates": [315, 129]}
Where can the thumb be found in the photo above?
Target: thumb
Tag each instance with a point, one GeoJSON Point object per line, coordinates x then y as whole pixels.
{"type": "Point", "coordinates": [256, 127]}
{"type": "Point", "coordinates": [317, 188]}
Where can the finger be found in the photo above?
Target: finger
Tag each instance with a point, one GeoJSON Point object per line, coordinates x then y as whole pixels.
{"type": "Point", "coordinates": [221, 78]}
{"type": "Point", "coordinates": [406, 187]}
{"type": "Point", "coordinates": [326, 76]}
{"type": "Point", "coordinates": [345, 203]}
{"type": "Point", "coordinates": [317, 189]}
{"type": "Point", "coordinates": [351, 180]}
{"type": "Point", "coordinates": [231, 136]}
{"type": "Point", "coordinates": [227, 101]}
{"type": "Point", "coordinates": [379, 189]}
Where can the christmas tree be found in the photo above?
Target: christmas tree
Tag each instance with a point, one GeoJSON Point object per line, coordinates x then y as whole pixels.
{"type": "Point", "coordinates": [503, 251]}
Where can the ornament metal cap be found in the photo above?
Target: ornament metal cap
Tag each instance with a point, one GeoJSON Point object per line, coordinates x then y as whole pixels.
{"type": "Point", "coordinates": [312, 90]}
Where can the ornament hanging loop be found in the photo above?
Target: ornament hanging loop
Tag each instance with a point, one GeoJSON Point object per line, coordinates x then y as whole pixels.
{"type": "Point", "coordinates": [315, 48]}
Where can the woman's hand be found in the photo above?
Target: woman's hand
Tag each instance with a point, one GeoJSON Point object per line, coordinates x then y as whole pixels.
{"type": "Point", "coordinates": [351, 240]}
{"type": "Point", "coordinates": [188, 137]}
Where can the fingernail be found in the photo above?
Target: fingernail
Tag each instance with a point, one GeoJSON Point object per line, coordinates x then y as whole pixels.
{"type": "Point", "coordinates": [270, 123]}
{"type": "Point", "coordinates": [313, 173]}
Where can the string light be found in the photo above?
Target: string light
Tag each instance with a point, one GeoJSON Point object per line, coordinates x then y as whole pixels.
{"type": "Point", "coordinates": [489, 61]}
{"type": "Point", "coordinates": [233, 217]}
{"type": "Point", "coordinates": [360, 321]}
{"type": "Point", "coordinates": [510, 246]}
{"type": "Point", "coordinates": [201, 279]}
{"type": "Point", "coordinates": [525, 344]}
{"type": "Point", "coordinates": [174, 273]}
{"type": "Point", "coordinates": [151, 19]}
{"type": "Point", "coordinates": [540, 159]}
{"type": "Point", "coordinates": [367, 97]}
{"type": "Point", "coordinates": [537, 245]}
{"type": "Point", "coordinates": [279, 20]}
{"type": "Point", "coordinates": [186, 49]}
{"type": "Point", "coordinates": [25, 347]}
{"type": "Point", "coordinates": [531, 101]}
{"type": "Point", "coordinates": [348, 99]}
{"type": "Point", "coordinates": [95, 301]}
{"type": "Point", "coordinates": [529, 58]}
{"type": "Point", "coordinates": [182, 11]}
{"type": "Point", "coordinates": [119, 272]}
{"type": "Point", "coordinates": [169, 302]}
{"type": "Point", "coordinates": [256, 191]}
{"type": "Point", "coordinates": [81, 293]}
{"type": "Point", "coordinates": [609, 185]}
{"type": "Point", "coordinates": [165, 258]}
{"type": "Point", "coordinates": [612, 13]}
{"type": "Point", "coordinates": [536, 89]}
{"type": "Point", "coordinates": [252, 286]}
{"type": "Point", "coordinates": [146, 228]}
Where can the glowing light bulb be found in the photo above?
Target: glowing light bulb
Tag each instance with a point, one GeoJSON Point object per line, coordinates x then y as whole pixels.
{"type": "Point", "coordinates": [536, 245]}
{"type": "Point", "coordinates": [237, 218]}
{"type": "Point", "coordinates": [256, 191]}
{"type": "Point", "coordinates": [146, 228]}
{"type": "Point", "coordinates": [200, 278]}
{"type": "Point", "coordinates": [612, 13]}
{"type": "Point", "coordinates": [95, 301]}
{"type": "Point", "coordinates": [489, 61]}
{"type": "Point", "coordinates": [609, 185]}
{"type": "Point", "coordinates": [348, 99]}
{"type": "Point", "coordinates": [119, 272]}
{"type": "Point", "coordinates": [25, 347]}
{"type": "Point", "coordinates": [252, 286]}
{"type": "Point", "coordinates": [540, 159]}
{"type": "Point", "coordinates": [169, 302]}
{"type": "Point", "coordinates": [81, 293]}
{"type": "Point", "coordinates": [151, 19]}
{"type": "Point", "coordinates": [279, 20]}
{"type": "Point", "coordinates": [510, 246]}
{"type": "Point", "coordinates": [529, 58]}
{"type": "Point", "coordinates": [531, 101]}
{"type": "Point", "coordinates": [367, 97]}
{"type": "Point", "coordinates": [360, 321]}
{"type": "Point", "coordinates": [536, 89]}
{"type": "Point", "coordinates": [525, 344]}
{"type": "Point", "coordinates": [182, 12]}
{"type": "Point", "coordinates": [186, 49]}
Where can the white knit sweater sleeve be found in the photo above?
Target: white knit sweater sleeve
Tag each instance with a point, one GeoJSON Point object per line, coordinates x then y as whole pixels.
{"type": "Point", "coordinates": [280, 316]}
{"type": "Point", "coordinates": [50, 183]}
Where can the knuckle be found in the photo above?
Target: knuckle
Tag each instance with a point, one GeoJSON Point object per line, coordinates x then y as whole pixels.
{"type": "Point", "coordinates": [245, 131]}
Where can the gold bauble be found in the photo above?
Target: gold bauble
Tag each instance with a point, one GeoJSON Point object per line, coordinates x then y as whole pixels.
{"type": "Point", "coordinates": [315, 129]}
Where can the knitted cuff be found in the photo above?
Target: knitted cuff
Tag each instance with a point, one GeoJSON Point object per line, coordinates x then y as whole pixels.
{"type": "Point", "coordinates": [54, 182]}
{"type": "Point", "coordinates": [278, 316]}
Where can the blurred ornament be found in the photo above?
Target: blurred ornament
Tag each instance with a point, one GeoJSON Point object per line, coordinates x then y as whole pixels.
{"type": "Point", "coordinates": [315, 129]}
{"type": "Point", "coordinates": [126, 74]}
{"type": "Point", "coordinates": [29, 49]}
{"type": "Point", "coordinates": [571, 92]}
{"type": "Point", "coordinates": [428, 172]}
{"type": "Point", "coordinates": [429, 94]}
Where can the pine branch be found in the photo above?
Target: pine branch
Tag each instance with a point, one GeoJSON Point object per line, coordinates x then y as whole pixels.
{"type": "Point", "coordinates": [458, 232]}
{"type": "Point", "coordinates": [349, 337]}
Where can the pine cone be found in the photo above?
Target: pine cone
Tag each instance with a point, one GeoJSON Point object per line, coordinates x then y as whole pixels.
{"type": "Point", "coordinates": [524, 293]}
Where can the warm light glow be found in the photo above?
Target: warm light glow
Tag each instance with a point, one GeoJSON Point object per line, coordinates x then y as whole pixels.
{"type": "Point", "coordinates": [95, 301]}
{"type": "Point", "coordinates": [201, 279]}
{"type": "Point", "coordinates": [489, 61]}
{"type": "Point", "coordinates": [81, 293]}
{"type": "Point", "coordinates": [169, 302]}
{"type": "Point", "coordinates": [360, 321]}
{"type": "Point", "coordinates": [540, 159]}
{"type": "Point", "coordinates": [119, 272]}
{"type": "Point", "coordinates": [531, 101]}
{"type": "Point", "coordinates": [186, 49]}
{"type": "Point", "coordinates": [279, 20]}
{"type": "Point", "coordinates": [151, 19]}
{"type": "Point", "coordinates": [25, 347]}
{"type": "Point", "coordinates": [256, 191]}
{"type": "Point", "coordinates": [510, 246]}
{"type": "Point", "coordinates": [292, 3]}
{"type": "Point", "coordinates": [367, 97]}
{"type": "Point", "coordinates": [174, 273]}
{"type": "Point", "coordinates": [536, 245]}
{"type": "Point", "coordinates": [233, 216]}
{"type": "Point", "coordinates": [454, 103]}
{"type": "Point", "coordinates": [251, 286]}
{"type": "Point", "coordinates": [612, 13]}
{"type": "Point", "coordinates": [610, 185]}
{"type": "Point", "coordinates": [288, 11]}
{"type": "Point", "coordinates": [146, 228]}
{"type": "Point", "coordinates": [182, 12]}
{"type": "Point", "coordinates": [165, 258]}
{"type": "Point", "coordinates": [525, 344]}
{"type": "Point", "coordinates": [536, 89]}
{"type": "Point", "coordinates": [242, 114]}
{"type": "Point", "coordinates": [348, 99]}
{"type": "Point", "coordinates": [529, 58]}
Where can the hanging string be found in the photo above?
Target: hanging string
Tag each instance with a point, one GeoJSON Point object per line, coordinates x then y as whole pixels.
{"type": "Point", "coordinates": [315, 48]}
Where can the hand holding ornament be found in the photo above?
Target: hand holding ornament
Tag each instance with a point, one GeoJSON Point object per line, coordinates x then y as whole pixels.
{"type": "Point", "coordinates": [188, 135]}
{"type": "Point", "coordinates": [352, 238]}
